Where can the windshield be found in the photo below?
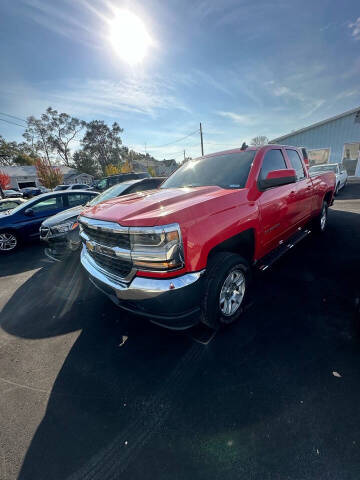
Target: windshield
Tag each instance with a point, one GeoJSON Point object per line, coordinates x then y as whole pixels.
{"type": "Point", "coordinates": [111, 192]}
{"type": "Point", "coordinates": [226, 171]}
{"type": "Point", "coordinates": [61, 187]}
{"type": "Point", "coordinates": [324, 168]}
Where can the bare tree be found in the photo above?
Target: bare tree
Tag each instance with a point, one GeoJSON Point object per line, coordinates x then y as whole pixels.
{"type": "Point", "coordinates": [259, 140]}
{"type": "Point", "coordinates": [52, 133]}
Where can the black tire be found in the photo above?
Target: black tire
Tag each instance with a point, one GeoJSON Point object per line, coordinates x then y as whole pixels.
{"type": "Point", "coordinates": [9, 242]}
{"type": "Point", "coordinates": [220, 268]}
{"type": "Point", "coordinates": [318, 225]}
{"type": "Point", "coordinates": [337, 190]}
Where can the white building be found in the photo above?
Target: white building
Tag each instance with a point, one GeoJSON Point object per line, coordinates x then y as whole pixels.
{"type": "Point", "coordinates": [26, 176]}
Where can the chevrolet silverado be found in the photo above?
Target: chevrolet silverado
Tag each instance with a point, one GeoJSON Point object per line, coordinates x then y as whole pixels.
{"type": "Point", "coordinates": [184, 253]}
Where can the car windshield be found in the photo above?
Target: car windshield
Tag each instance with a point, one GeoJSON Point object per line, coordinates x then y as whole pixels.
{"type": "Point", "coordinates": [324, 168]}
{"type": "Point", "coordinates": [61, 187]}
{"type": "Point", "coordinates": [229, 170]}
{"type": "Point", "coordinates": [111, 192]}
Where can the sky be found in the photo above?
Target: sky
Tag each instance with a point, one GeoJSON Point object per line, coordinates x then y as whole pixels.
{"type": "Point", "coordinates": [241, 67]}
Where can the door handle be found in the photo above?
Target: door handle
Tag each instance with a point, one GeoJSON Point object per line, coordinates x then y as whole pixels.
{"type": "Point", "coordinates": [292, 192]}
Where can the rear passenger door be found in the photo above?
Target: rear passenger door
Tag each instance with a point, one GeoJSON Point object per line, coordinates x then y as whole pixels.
{"type": "Point", "coordinates": [274, 202]}
{"type": "Point", "coordinates": [300, 205]}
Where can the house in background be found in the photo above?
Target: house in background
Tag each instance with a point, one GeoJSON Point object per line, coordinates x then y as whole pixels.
{"type": "Point", "coordinates": [26, 176]}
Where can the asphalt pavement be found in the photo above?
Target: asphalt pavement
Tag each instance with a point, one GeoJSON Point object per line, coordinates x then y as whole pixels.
{"type": "Point", "coordinates": [89, 392]}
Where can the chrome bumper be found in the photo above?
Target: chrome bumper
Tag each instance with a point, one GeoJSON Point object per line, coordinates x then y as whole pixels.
{"type": "Point", "coordinates": [172, 302]}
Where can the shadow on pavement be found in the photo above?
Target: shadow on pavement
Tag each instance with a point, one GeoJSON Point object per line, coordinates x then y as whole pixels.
{"type": "Point", "coordinates": [253, 403]}
{"type": "Point", "coordinates": [29, 257]}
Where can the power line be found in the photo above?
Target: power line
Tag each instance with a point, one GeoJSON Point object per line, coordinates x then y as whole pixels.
{"type": "Point", "coordinates": [12, 123]}
{"type": "Point", "coordinates": [13, 116]}
{"type": "Point", "coordinates": [176, 141]}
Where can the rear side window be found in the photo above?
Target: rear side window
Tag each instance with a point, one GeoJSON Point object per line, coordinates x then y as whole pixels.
{"type": "Point", "coordinates": [273, 160]}
{"type": "Point", "coordinates": [296, 163]}
{"type": "Point", "coordinates": [76, 199]}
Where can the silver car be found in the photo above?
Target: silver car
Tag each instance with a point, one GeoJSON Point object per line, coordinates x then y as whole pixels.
{"type": "Point", "coordinates": [337, 168]}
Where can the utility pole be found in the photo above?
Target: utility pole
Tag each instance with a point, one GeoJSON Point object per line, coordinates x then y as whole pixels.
{"type": "Point", "coordinates": [202, 142]}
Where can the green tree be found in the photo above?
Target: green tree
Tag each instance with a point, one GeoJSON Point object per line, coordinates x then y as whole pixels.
{"type": "Point", "coordinates": [84, 162]}
{"type": "Point", "coordinates": [103, 143]}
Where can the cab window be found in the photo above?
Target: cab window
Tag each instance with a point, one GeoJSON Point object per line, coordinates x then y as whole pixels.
{"type": "Point", "coordinates": [296, 163]}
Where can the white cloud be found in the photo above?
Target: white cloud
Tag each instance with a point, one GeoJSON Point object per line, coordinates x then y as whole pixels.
{"type": "Point", "coordinates": [355, 26]}
{"type": "Point", "coordinates": [238, 118]}
{"type": "Point", "coordinates": [99, 97]}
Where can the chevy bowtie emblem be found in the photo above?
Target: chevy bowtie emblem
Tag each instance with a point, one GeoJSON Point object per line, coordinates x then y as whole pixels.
{"type": "Point", "coordinates": [90, 246]}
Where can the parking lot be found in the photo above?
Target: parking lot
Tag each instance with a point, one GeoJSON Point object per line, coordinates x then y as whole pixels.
{"type": "Point", "coordinates": [89, 392]}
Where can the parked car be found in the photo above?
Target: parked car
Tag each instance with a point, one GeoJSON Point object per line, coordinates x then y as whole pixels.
{"type": "Point", "coordinates": [184, 253]}
{"type": "Point", "coordinates": [12, 193]}
{"type": "Point", "coordinates": [29, 192]}
{"type": "Point", "coordinates": [60, 187]}
{"type": "Point", "coordinates": [23, 222]}
{"type": "Point", "coordinates": [108, 182]}
{"type": "Point", "coordinates": [10, 203]}
{"type": "Point", "coordinates": [73, 186]}
{"type": "Point", "coordinates": [61, 232]}
{"type": "Point", "coordinates": [337, 168]}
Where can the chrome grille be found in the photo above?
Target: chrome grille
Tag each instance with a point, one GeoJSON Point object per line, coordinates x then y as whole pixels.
{"type": "Point", "coordinates": [108, 238]}
{"type": "Point", "coordinates": [108, 244]}
{"type": "Point", "coordinates": [112, 265]}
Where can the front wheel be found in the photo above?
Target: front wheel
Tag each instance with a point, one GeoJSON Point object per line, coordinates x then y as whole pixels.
{"type": "Point", "coordinates": [337, 189]}
{"type": "Point", "coordinates": [8, 242]}
{"type": "Point", "coordinates": [226, 285]}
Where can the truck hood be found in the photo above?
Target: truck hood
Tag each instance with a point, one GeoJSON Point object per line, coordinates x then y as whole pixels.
{"type": "Point", "coordinates": [152, 207]}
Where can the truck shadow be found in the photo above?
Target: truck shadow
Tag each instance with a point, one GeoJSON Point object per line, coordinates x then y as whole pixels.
{"type": "Point", "coordinates": [136, 400]}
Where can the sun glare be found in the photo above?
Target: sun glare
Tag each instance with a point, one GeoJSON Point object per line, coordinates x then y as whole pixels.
{"type": "Point", "coordinates": [129, 37]}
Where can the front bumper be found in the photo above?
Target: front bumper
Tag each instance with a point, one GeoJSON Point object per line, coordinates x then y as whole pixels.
{"type": "Point", "coordinates": [172, 302]}
{"type": "Point", "coordinates": [62, 245]}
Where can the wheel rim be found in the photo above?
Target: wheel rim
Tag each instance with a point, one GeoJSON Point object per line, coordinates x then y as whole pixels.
{"type": "Point", "coordinates": [323, 219]}
{"type": "Point", "coordinates": [232, 293]}
{"type": "Point", "coordinates": [8, 242]}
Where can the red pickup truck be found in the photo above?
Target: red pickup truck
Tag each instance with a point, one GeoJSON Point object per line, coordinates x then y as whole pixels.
{"type": "Point", "coordinates": [184, 253]}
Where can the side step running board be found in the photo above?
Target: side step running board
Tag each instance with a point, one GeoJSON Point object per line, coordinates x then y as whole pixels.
{"type": "Point", "coordinates": [284, 247]}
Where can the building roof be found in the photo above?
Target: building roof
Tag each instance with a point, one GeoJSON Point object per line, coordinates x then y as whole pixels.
{"type": "Point", "coordinates": [318, 124]}
{"type": "Point", "coordinates": [30, 171]}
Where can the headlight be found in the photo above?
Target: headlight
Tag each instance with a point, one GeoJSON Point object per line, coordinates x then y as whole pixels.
{"type": "Point", "coordinates": [70, 224]}
{"type": "Point", "coordinates": [157, 248]}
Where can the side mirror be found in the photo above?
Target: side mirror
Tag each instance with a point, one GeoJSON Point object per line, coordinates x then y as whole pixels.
{"type": "Point", "coordinates": [29, 212]}
{"type": "Point", "coordinates": [276, 178]}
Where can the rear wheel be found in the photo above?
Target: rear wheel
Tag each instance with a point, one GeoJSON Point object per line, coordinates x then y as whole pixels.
{"type": "Point", "coordinates": [226, 286]}
{"type": "Point", "coordinates": [9, 242]}
{"type": "Point", "coordinates": [320, 222]}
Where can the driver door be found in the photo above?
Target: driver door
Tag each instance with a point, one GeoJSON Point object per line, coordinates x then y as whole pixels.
{"type": "Point", "coordinates": [42, 209]}
{"type": "Point", "coordinates": [274, 203]}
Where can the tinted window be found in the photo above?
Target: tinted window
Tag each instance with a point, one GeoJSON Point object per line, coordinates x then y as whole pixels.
{"type": "Point", "coordinates": [141, 186]}
{"type": "Point", "coordinates": [7, 205]}
{"type": "Point", "coordinates": [273, 160]}
{"type": "Point", "coordinates": [111, 192]}
{"type": "Point", "coordinates": [49, 203]}
{"type": "Point", "coordinates": [75, 199]}
{"type": "Point", "coordinates": [296, 163]}
{"type": "Point", "coordinates": [227, 171]}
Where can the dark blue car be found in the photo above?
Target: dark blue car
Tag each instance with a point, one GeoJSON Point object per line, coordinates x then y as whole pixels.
{"type": "Point", "coordinates": [23, 222]}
